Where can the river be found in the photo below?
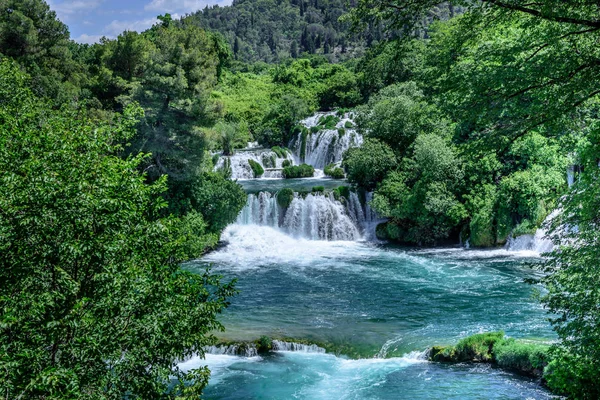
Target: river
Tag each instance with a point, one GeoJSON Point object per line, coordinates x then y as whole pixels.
{"type": "Point", "coordinates": [375, 307]}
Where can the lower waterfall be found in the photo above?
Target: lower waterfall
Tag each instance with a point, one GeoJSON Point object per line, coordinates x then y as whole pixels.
{"type": "Point", "coordinates": [314, 217]}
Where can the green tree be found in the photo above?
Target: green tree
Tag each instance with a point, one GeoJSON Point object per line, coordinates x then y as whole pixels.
{"type": "Point", "coordinates": [93, 302]}
{"type": "Point", "coordinates": [31, 34]}
{"type": "Point", "coordinates": [571, 274]}
{"type": "Point", "coordinates": [369, 164]}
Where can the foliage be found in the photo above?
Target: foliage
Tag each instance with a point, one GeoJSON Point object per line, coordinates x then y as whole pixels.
{"type": "Point", "coordinates": [422, 199]}
{"type": "Point", "coordinates": [217, 198]}
{"type": "Point", "coordinates": [334, 172]}
{"type": "Point", "coordinates": [285, 197]}
{"type": "Point", "coordinates": [570, 275]}
{"type": "Point", "coordinates": [521, 356]}
{"type": "Point", "coordinates": [31, 34]}
{"type": "Point", "coordinates": [525, 357]}
{"type": "Point", "coordinates": [398, 114]}
{"type": "Point", "coordinates": [367, 165]}
{"type": "Point", "coordinates": [232, 136]}
{"type": "Point", "coordinates": [90, 268]}
{"type": "Point", "coordinates": [281, 152]}
{"type": "Point", "coordinates": [257, 169]}
{"type": "Point", "coordinates": [271, 31]}
{"type": "Point", "coordinates": [298, 171]}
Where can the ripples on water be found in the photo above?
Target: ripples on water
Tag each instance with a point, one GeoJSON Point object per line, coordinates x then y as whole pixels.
{"type": "Point", "coordinates": [373, 301]}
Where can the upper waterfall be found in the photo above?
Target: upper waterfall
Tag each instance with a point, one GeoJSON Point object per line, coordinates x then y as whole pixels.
{"type": "Point", "coordinates": [239, 164]}
{"type": "Point", "coordinates": [325, 139]}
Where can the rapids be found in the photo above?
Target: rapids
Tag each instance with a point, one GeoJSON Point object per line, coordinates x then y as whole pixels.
{"type": "Point", "coordinates": [380, 305]}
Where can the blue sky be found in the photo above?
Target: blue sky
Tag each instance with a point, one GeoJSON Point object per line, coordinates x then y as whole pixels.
{"type": "Point", "coordinates": [89, 20]}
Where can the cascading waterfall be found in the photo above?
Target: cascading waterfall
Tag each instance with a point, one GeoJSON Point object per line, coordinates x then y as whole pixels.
{"type": "Point", "coordinates": [363, 216]}
{"type": "Point", "coordinates": [260, 209]}
{"type": "Point", "coordinates": [314, 217]}
{"type": "Point", "coordinates": [241, 169]}
{"type": "Point", "coordinates": [243, 349]}
{"type": "Point", "coordinates": [538, 242]}
{"type": "Point", "coordinates": [279, 345]}
{"type": "Point", "coordinates": [325, 146]}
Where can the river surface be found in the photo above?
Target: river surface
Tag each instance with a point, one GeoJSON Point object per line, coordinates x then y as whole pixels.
{"type": "Point", "coordinates": [379, 306]}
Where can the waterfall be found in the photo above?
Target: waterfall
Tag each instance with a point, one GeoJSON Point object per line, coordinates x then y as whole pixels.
{"type": "Point", "coordinates": [319, 217]}
{"type": "Point", "coordinates": [327, 145]}
{"type": "Point", "coordinates": [260, 209]}
{"type": "Point", "coordinates": [364, 216]}
{"type": "Point", "coordinates": [538, 242]}
{"type": "Point", "coordinates": [242, 349]}
{"type": "Point", "coordinates": [240, 168]}
{"type": "Point", "coordinates": [315, 217]}
{"type": "Point", "coordinates": [279, 345]}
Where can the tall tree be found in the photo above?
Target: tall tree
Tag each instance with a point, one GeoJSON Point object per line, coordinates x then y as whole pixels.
{"type": "Point", "coordinates": [93, 303]}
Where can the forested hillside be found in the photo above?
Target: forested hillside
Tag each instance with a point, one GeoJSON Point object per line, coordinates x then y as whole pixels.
{"type": "Point", "coordinates": [273, 30]}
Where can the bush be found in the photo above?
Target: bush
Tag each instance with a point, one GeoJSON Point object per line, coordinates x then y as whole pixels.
{"type": "Point", "coordinates": [334, 172]}
{"type": "Point", "coordinates": [341, 132]}
{"type": "Point", "coordinates": [341, 192]}
{"type": "Point", "coordinates": [328, 122]}
{"type": "Point", "coordinates": [218, 199]}
{"type": "Point", "coordinates": [285, 197]}
{"type": "Point", "coordinates": [369, 164]}
{"type": "Point", "coordinates": [477, 347]}
{"type": "Point", "coordinates": [318, 189]}
{"type": "Point", "coordinates": [281, 152]}
{"type": "Point", "coordinates": [286, 163]}
{"type": "Point", "coordinates": [298, 171]}
{"type": "Point", "coordinates": [525, 357]}
{"type": "Point", "coordinates": [257, 169]}
{"type": "Point", "coordinates": [348, 125]}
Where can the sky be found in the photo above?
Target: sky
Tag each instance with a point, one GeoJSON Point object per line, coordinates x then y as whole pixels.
{"type": "Point", "coordinates": [89, 20]}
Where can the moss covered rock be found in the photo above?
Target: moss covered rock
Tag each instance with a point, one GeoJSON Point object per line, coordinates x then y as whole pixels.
{"type": "Point", "coordinates": [285, 197]}
{"type": "Point", "coordinates": [257, 169]}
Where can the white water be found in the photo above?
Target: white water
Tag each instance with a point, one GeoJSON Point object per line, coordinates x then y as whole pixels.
{"type": "Point", "coordinates": [240, 168]}
{"type": "Point", "coordinates": [538, 243]}
{"type": "Point", "coordinates": [314, 217]}
{"type": "Point", "coordinates": [326, 146]}
{"type": "Point", "coordinates": [279, 345]}
{"type": "Point", "coordinates": [246, 350]}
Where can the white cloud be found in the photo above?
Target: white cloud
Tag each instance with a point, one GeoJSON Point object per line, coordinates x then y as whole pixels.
{"type": "Point", "coordinates": [69, 8]}
{"type": "Point", "coordinates": [115, 28]}
{"type": "Point", "coordinates": [180, 6]}
{"type": "Point", "coordinates": [89, 39]}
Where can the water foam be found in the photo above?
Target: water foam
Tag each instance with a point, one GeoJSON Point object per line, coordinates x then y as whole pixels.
{"type": "Point", "coordinates": [253, 246]}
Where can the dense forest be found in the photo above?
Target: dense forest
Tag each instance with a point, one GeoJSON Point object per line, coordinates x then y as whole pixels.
{"type": "Point", "coordinates": [472, 113]}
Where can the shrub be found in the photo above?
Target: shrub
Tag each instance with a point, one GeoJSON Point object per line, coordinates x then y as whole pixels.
{"type": "Point", "coordinates": [285, 197]}
{"type": "Point", "coordinates": [334, 172]}
{"type": "Point", "coordinates": [369, 164]}
{"type": "Point", "coordinates": [215, 159]}
{"type": "Point", "coordinates": [477, 347]}
{"type": "Point", "coordinates": [280, 151]}
{"type": "Point", "coordinates": [257, 169]}
{"type": "Point", "coordinates": [328, 122]}
{"type": "Point", "coordinates": [286, 163]}
{"type": "Point", "coordinates": [525, 357]}
{"type": "Point", "coordinates": [348, 125]}
{"type": "Point", "coordinates": [341, 191]}
{"type": "Point", "coordinates": [341, 132]}
{"type": "Point", "coordinates": [298, 171]}
{"type": "Point", "coordinates": [264, 344]}
{"type": "Point", "coordinates": [318, 189]}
